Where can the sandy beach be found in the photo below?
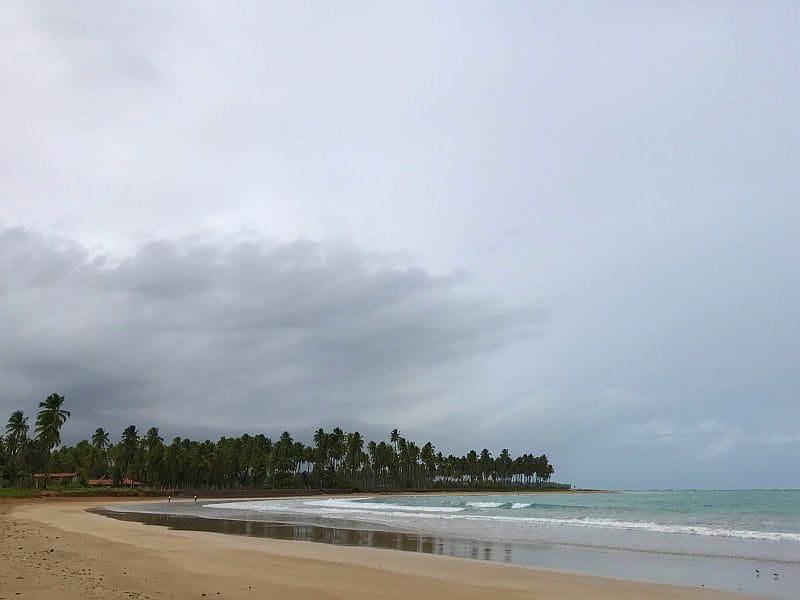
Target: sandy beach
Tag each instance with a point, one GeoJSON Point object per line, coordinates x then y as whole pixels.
{"type": "Point", "coordinates": [54, 549]}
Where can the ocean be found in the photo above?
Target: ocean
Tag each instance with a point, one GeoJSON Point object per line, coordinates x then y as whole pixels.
{"type": "Point", "coordinates": [715, 539]}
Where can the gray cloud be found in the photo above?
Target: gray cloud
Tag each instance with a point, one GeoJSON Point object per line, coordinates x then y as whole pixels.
{"type": "Point", "coordinates": [236, 332]}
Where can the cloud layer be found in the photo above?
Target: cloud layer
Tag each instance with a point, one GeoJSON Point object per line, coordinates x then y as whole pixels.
{"type": "Point", "coordinates": [235, 332]}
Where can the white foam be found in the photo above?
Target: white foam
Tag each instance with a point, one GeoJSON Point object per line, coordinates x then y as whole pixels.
{"type": "Point", "coordinates": [338, 508]}
{"type": "Point", "coordinates": [349, 505]}
{"type": "Point", "coordinates": [651, 527]}
{"type": "Point", "coordinates": [254, 505]}
{"type": "Point", "coordinates": [360, 505]}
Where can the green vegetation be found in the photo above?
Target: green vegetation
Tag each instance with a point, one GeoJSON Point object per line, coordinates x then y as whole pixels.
{"type": "Point", "coordinates": [83, 491]}
{"type": "Point", "coordinates": [336, 460]}
{"type": "Point", "coordinates": [16, 493]}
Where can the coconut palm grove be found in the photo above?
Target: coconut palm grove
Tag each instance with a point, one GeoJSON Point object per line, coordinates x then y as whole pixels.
{"type": "Point", "coordinates": [336, 460]}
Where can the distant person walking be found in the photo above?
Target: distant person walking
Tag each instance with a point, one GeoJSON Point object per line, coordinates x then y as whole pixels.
{"type": "Point", "coordinates": [195, 498]}
{"type": "Point", "coordinates": [169, 498]}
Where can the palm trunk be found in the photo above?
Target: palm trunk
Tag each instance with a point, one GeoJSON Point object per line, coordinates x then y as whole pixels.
{"type": "Point", "coordinates": [47, 470]}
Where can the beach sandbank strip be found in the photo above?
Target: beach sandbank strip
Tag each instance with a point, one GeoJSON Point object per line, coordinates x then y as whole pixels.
{"type": "Point", "coordinates": [55, 549]}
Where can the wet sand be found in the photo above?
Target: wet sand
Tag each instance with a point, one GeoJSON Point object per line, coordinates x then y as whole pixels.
{"type": "Point", "coordinates": [55, 549]}
{"type": "Point", "coordinates": [308, 532]}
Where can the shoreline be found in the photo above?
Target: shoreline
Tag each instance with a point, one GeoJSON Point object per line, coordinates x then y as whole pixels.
{"type": "Point", "coordinates": [62, 551]}
{"type": "Point", "coordinates": [226, 525]}
{"type": "Point", "coordinates": [147, 493]}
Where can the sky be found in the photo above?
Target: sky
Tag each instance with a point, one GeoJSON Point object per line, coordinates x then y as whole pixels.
{"type": "Point", "coordinates": [568, 228]}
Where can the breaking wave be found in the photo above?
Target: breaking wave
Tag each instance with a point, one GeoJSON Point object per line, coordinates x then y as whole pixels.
{"type": "Point", "coordinates": [478, 511]}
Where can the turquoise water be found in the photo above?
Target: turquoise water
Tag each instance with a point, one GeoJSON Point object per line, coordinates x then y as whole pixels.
{"type": "Point", "coordinates": [756, 514]}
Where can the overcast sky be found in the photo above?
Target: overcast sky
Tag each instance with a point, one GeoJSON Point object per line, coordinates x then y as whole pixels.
{"type": "Point", "coordinates": [569, 228]}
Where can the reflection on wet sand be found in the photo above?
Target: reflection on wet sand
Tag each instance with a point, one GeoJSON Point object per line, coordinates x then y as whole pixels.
{"type": "Point", "coordinates": [723, 573]}
{"type": "Point", "coordinates": [409, 542]}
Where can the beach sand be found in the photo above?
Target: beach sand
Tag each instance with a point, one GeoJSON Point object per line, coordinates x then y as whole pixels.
{"type": "Point", "coordinates": [52, 548]}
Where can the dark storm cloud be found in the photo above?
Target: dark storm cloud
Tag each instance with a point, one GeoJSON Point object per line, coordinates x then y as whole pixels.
{"type": "Point", "coordinates": [217, 332]}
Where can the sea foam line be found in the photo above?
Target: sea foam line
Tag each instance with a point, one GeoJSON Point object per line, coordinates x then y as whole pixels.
{"type": "Point", "coordinates": [350, 505]}
{"type": "Point", "coordinates": [348, 508]}
{"type": "Point", "coordinates": [499, 504]}
{"type": "Point", "coordinates": [486, 504]}
{"type": "Point", "coordinates": [649, 527]}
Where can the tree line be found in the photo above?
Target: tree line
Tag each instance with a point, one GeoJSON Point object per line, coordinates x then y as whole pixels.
{"type": "Point", "coordinates": [336, 459]}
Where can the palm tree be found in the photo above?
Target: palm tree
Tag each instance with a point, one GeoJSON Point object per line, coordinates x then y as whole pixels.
{"type": "Point", "coordinates": [16, 431]}
{"type": "Point", "coordinates": [337, 447]}
{"type": "Point", "coordinates": [298, 456]}
{"type": "Point", "coordinates": [16, 434]}
{"type": "Point", "coordinates": [308, 456]}
{"type": "Point", "coordinates": [321, 442]}
{"type": "Point", "coordinates": [472, 466]}
{"type": "Point", "coordinates": [153, 446]}
{"type": "Point", "coordinates": [428, 457]}
{"type": "Point", "coordinates": [100, 439]}
{"type": "Point", "coordinates": [485, 462]}
{"type": "Point", "coordinates": [129, 444]}
{"type": "Point", "coordinates": [372, 451]}
{"type": "Point", "coordinates": [48, 426]}
{"type": "Point", "coordinates": [152, 438]}
{"type": "Point", "coordinates": [283, 458]}
{"type": "Point", "coordinates": [504, 464]}
{"type": "Point", "coordinates": [354, 452]}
